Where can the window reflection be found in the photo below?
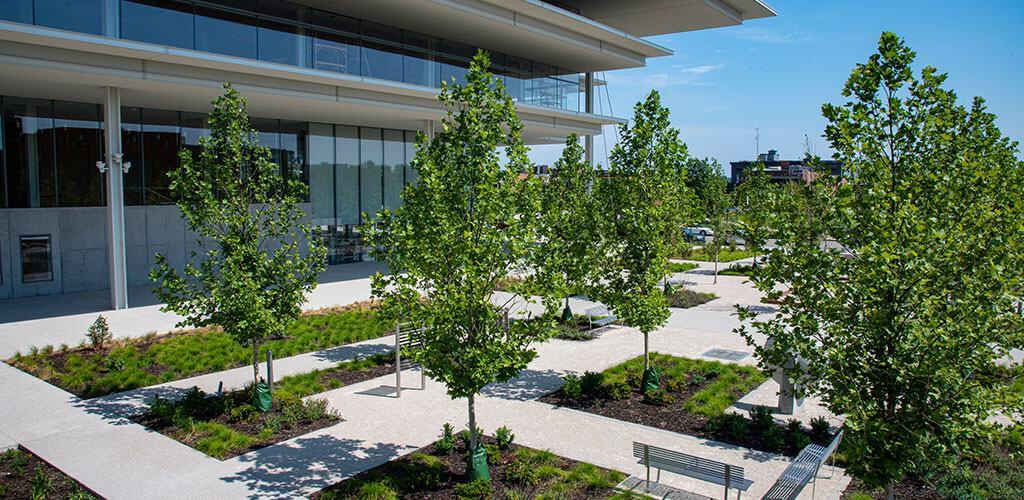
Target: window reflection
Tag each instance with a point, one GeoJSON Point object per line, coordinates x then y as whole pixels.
{"type": "Point", "coordinates": [225, 32]}
{"type": "Point", "coordinates": [79, 145]}
{"type": "Point", "coordinates": [82, 16]}
{"type": "Point", "coordinates": [371, 159]}
{"type": "Point", "coordinates": [394, 168]}
{"type": "Point", "coordinates": [165, 22]}
{"type": "Point", "coordinates": [160, 143]}
{"type": "Point", "coordinates": [29, 154]}
{"type": "Point", "coordinates": [36, 260]}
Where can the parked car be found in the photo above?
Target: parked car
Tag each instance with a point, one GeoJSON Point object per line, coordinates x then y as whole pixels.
{"type": "Point", "coordinates": [698, 232]}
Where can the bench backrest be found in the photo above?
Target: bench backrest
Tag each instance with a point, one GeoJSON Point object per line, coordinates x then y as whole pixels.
{"type": "Point", "coordinates": [408, 336]}
{"type": "Point", "coordinates": [662, 458]}
{"type": "Point", "coordinates": [831, 448]}
{"type": "Point", "coordinates": [598, 311]}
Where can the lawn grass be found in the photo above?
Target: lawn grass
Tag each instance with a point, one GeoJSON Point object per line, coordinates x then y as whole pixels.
{"type": "Point", "coordinates": [516, 472]}
{"type": "Point", "coordinates": [149, 360]}
{"type": "Point", "coordinates": [724, 255]}
{"type": "Point", "coordinates": [681, 267]}
{"type": "Point", "coordinates": [344, 373]}
{"type": "Point", "coordinates": [722, 383]}
{"type": "Point", "coordinates": [737, 270]}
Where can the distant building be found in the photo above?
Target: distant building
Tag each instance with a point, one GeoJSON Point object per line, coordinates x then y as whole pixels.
{"type": "Point", "coordinates": [781, 171]}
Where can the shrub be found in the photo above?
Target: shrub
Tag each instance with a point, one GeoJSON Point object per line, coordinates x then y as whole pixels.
{"type": "Point", "coordinates": [42, 485]}
{"type": "Point", "coordinates": [425, 471]}
{"type": "Point", "coordinates": [659, 397]}
{"type": "Point", "coordinates": [793, 426]}
{"type": "Point", "coordinates": [481, 488]}
{"type": "Point", "coordinates": [761, 419]}
{"type": "Point", "coordinates": [493, 454]}
{"type": "Point", "coordinates": [773, 439]}
{"type": "Point", "coordinates": [464, 436]}
{"type": "Point", "coordinates": [571, 386]}
{"type": "Point", "coordinates": [800, 440]}
{"type": "Point", "coordinates": [243, 413]}
{"type": "Point", "coordinates": [591, 382]}
{"type": "Point", "coordinates": [446, 445]}
{"type": "Point", "coordinates": [820, 432]}
{"type": "Point", "coordinates": [377, 490]}
{"type": "Point", "coordinates": [685, 298]}
{"type": "Point", "coordinates": [504, 437]}
{"type": "Point", "coordinates": [618, 390]}
{"type": "Point", "coordinates": [316, 409]}
{"type": "Point", "coordinates": [697, 379]}
{"type": "Point", "coordinates": [99, 333]}
{"type": "Point", "coordinates": [731, 426]}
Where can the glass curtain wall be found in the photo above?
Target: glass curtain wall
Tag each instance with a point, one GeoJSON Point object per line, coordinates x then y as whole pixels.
{"type": "Point", "coordinates": [287, 33]}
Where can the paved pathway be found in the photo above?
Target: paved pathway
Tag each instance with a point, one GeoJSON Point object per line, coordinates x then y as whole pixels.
{"type": "Point", "coordinates": [118, 459]}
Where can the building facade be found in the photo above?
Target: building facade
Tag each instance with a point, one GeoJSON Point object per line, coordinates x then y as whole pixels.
{"type": "Point", "coordinates": [781, 171]}
{"type": "Point", "coordinates": [98, 96]}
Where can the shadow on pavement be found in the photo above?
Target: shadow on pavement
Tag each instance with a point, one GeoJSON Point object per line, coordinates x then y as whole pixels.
{"type": "Point", "coordinates": [300, 467]}
{"type": "Point", "coordinates": [529, 385]}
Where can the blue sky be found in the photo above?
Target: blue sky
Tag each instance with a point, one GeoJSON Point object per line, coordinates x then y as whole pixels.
{"type": "Point", "coordinates": [776, 73]}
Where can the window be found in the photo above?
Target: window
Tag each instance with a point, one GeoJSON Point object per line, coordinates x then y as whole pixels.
{"type": "Point", "coordinates": [336, 52]}
{"type": "Point", "coordinates": [371, 170]}
{"type": "Point", "coordinates": [284, 42]}
{"type": "Point", "coordinates": [293, 150]}
{"type": "Point", "coordinates": [19, 11]}
{"type": "Point", "coordinates": [321, 173]}
{"type": "Point", "coordinates": [83, 16]}
{"type": "Point", "coordinates": [346, 177]}
{"type": "Point", "coordinates": [394, 168]}
{"type": "Point", "coordinates": [131, 147]}
{"type": "Point", "coordinates": [28, 153]}
{"type": "Point", "coordinates": [36, 262]}
{"type": "Point", "coordinates": [420, 62]}
{"type": "Point", "coordinates": [411, 174]}
{"type": "Point", "coordinates": [227, 33]}
{"type": "Point", "coordinates": [160, 136]}
{"type": "Point", "coordinates": [165, 22]}
{"type": "Point", "coordinates": [79, 145]}
{"type": "Point", "coordinates": [382, 55]}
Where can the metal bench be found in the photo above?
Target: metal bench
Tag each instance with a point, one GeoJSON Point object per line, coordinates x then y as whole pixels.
{"type": "Point", "coordinates": [711, 471]}
{"type": "Point", "coordinates": [407, 336]}
{"type": "Point", "coordinates": [601, 317]}
{"type": "Point", "coordinates": [802, 470]}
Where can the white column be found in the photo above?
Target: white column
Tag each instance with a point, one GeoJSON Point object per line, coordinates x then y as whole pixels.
{"type": "Point", "coordinates": [429, 128]}
{"type": "Point", "coordinates": [115, 199]}
{"type": "Point", "coordinates": [588, 106]}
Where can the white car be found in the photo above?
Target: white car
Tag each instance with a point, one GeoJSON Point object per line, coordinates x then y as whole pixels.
{"type": "Point", "coordinates": [698, 232]}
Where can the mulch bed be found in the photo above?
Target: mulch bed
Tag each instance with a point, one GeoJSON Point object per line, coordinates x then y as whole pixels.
{"type": "Point", "coordinates": [455, 473]}
{"type": "Point", "coordinates": [909, 488]}
{"type": "Point", "coordinates": [635, 409]}
{"type": "Point", "coordinates": [18, 478]}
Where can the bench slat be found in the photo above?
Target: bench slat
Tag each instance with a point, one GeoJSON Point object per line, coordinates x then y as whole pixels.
{"type": "Point", "coordinates": [691, 466]}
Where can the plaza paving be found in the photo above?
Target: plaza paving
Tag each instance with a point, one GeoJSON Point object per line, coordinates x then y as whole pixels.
{"type": "Point", "coordinates": [93, 442]}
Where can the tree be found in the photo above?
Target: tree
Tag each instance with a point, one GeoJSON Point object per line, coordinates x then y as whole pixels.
{"type": "Point", "coordinates": [462, 228]}
{"type": "Point", "coordinates": [904, 316]}
{"type": "Point", "coordinates": [714, 203]}
{"type": "Point", "coordinates": [755, 198]}
{"type": "Point", "coordinates": [641, 199]}
{"type": "Point", "coordinates": [567, 256]}
{"type": "Point", "coordinates": [258, 257]}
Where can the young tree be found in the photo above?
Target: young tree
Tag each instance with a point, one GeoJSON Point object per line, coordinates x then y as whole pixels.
{"type": "Point", "coordinates": [755, 199]}
{"type": "Point", "coordinates": [708, 183]}
{"type": "Point", "coordinates": [462, 228]}
{"type": "Point", "coordinates": [567, 255]}
{"type": "Point", "coordinates": [641, 199]}
{"type": "Point", "coordinates": [258, 257]}
{"type": "Point", "coordinates": [903, 319]}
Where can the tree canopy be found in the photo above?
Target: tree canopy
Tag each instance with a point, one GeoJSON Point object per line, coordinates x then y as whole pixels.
{"type": "Point", "coordinates": [903, 276]}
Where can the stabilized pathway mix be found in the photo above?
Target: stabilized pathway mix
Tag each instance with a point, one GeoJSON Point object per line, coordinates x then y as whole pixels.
{"type": "Point", "coordinates": [92, 442]}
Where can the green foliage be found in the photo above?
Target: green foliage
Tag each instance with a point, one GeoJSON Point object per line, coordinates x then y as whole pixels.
{"type": "Point", "coordinates": [901, 317]}
{"type": "Point", "coordinates": [504, 437]}
{"type": "Point", "coordinates": [99, 333]}
{"type": "Point", "coordinates": [135, 364]}
{"type": "Point", "coordinates": [730, 425]}
{"type": "Point", "coordinates": [252, 279]}
{"type": "Point", "coordinates": [738, 270]}
{"type": "Point", "coordinates": [644, 201]}
{"type": "Point", "coordinates": [761, 418]}
{"type": "Point", "coordinates": [708, 182]}
{"type": "Point", "coordinates": [659, 397]}
{"type": "Point", "coordinates": [567, 257]}
{"type": "Point", "coordinates": [681, 267]}
{"type": "Point", "coordinates": [467, 223]}
{"type": "Point", "coordinates": [571, 386]}
{"type": "Point", "coordinates": [724, 255]}
{"type": "Point", "coordinates": [481, 488]}
{"type": "Point", "coordinates": [686, 298]}
{"type": "Point", "coordinates": [446, 444]}
{"type": "Point", "coordinates": [820, 430]}
{"type": "Point", "coordinates": [755, 203]}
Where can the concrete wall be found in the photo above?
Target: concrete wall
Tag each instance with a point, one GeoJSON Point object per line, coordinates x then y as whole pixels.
{"type": "Point", "coordinates": [78, 246]}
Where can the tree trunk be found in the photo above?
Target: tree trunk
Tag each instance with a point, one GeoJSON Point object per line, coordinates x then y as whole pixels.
{"type": "Point", "coordinates": [472, 424]}
{"type": "Point", "coordinates": [716, 269]}
{"type": "Point", "coordinates": [255, 363]}
{"type": "Point", "coordinates": [647, 354]}
{"type": "Point", "coordinates": [888, 492]}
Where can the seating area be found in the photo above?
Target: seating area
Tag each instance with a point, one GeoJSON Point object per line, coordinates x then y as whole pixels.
{"type": "Point", "coordinates": [661, 459]}
{"type": "Point", "coordinates": [803, 470]}
{"type": "Point", "coordinates": [600, 317]}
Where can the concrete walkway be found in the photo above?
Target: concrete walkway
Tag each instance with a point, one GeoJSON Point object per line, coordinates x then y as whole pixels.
{"type": "Point", "coordinates": [118, 459]}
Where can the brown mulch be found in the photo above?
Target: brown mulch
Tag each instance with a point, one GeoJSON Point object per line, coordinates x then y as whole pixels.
{"type": "Point", "coordinates": [634, 409]}
{"type": "Point", "coordinates": [455, 473]}
{"type": "Point", "coordinates": [908, 488]}
{"type": "Point", "coordinates": [16, 479]}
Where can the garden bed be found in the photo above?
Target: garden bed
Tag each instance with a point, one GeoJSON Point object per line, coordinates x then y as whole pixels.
{"type": "Point", "coordinates": [684, 298]}
{"type": "Point", "coordinates": [122, 365]}
{"type": "Point", "coordinates": [724, 255]}
{"type": "Point", "coordinates": [516, 472]}
{"type": "Point", "coordinates": [737, 270]}
{"type": "Point", "coordinates": [692, 400]}
{"type": "Point", "coordinates": [24, 475]}
{"type": "Point", "coordinates": [681, 267]}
